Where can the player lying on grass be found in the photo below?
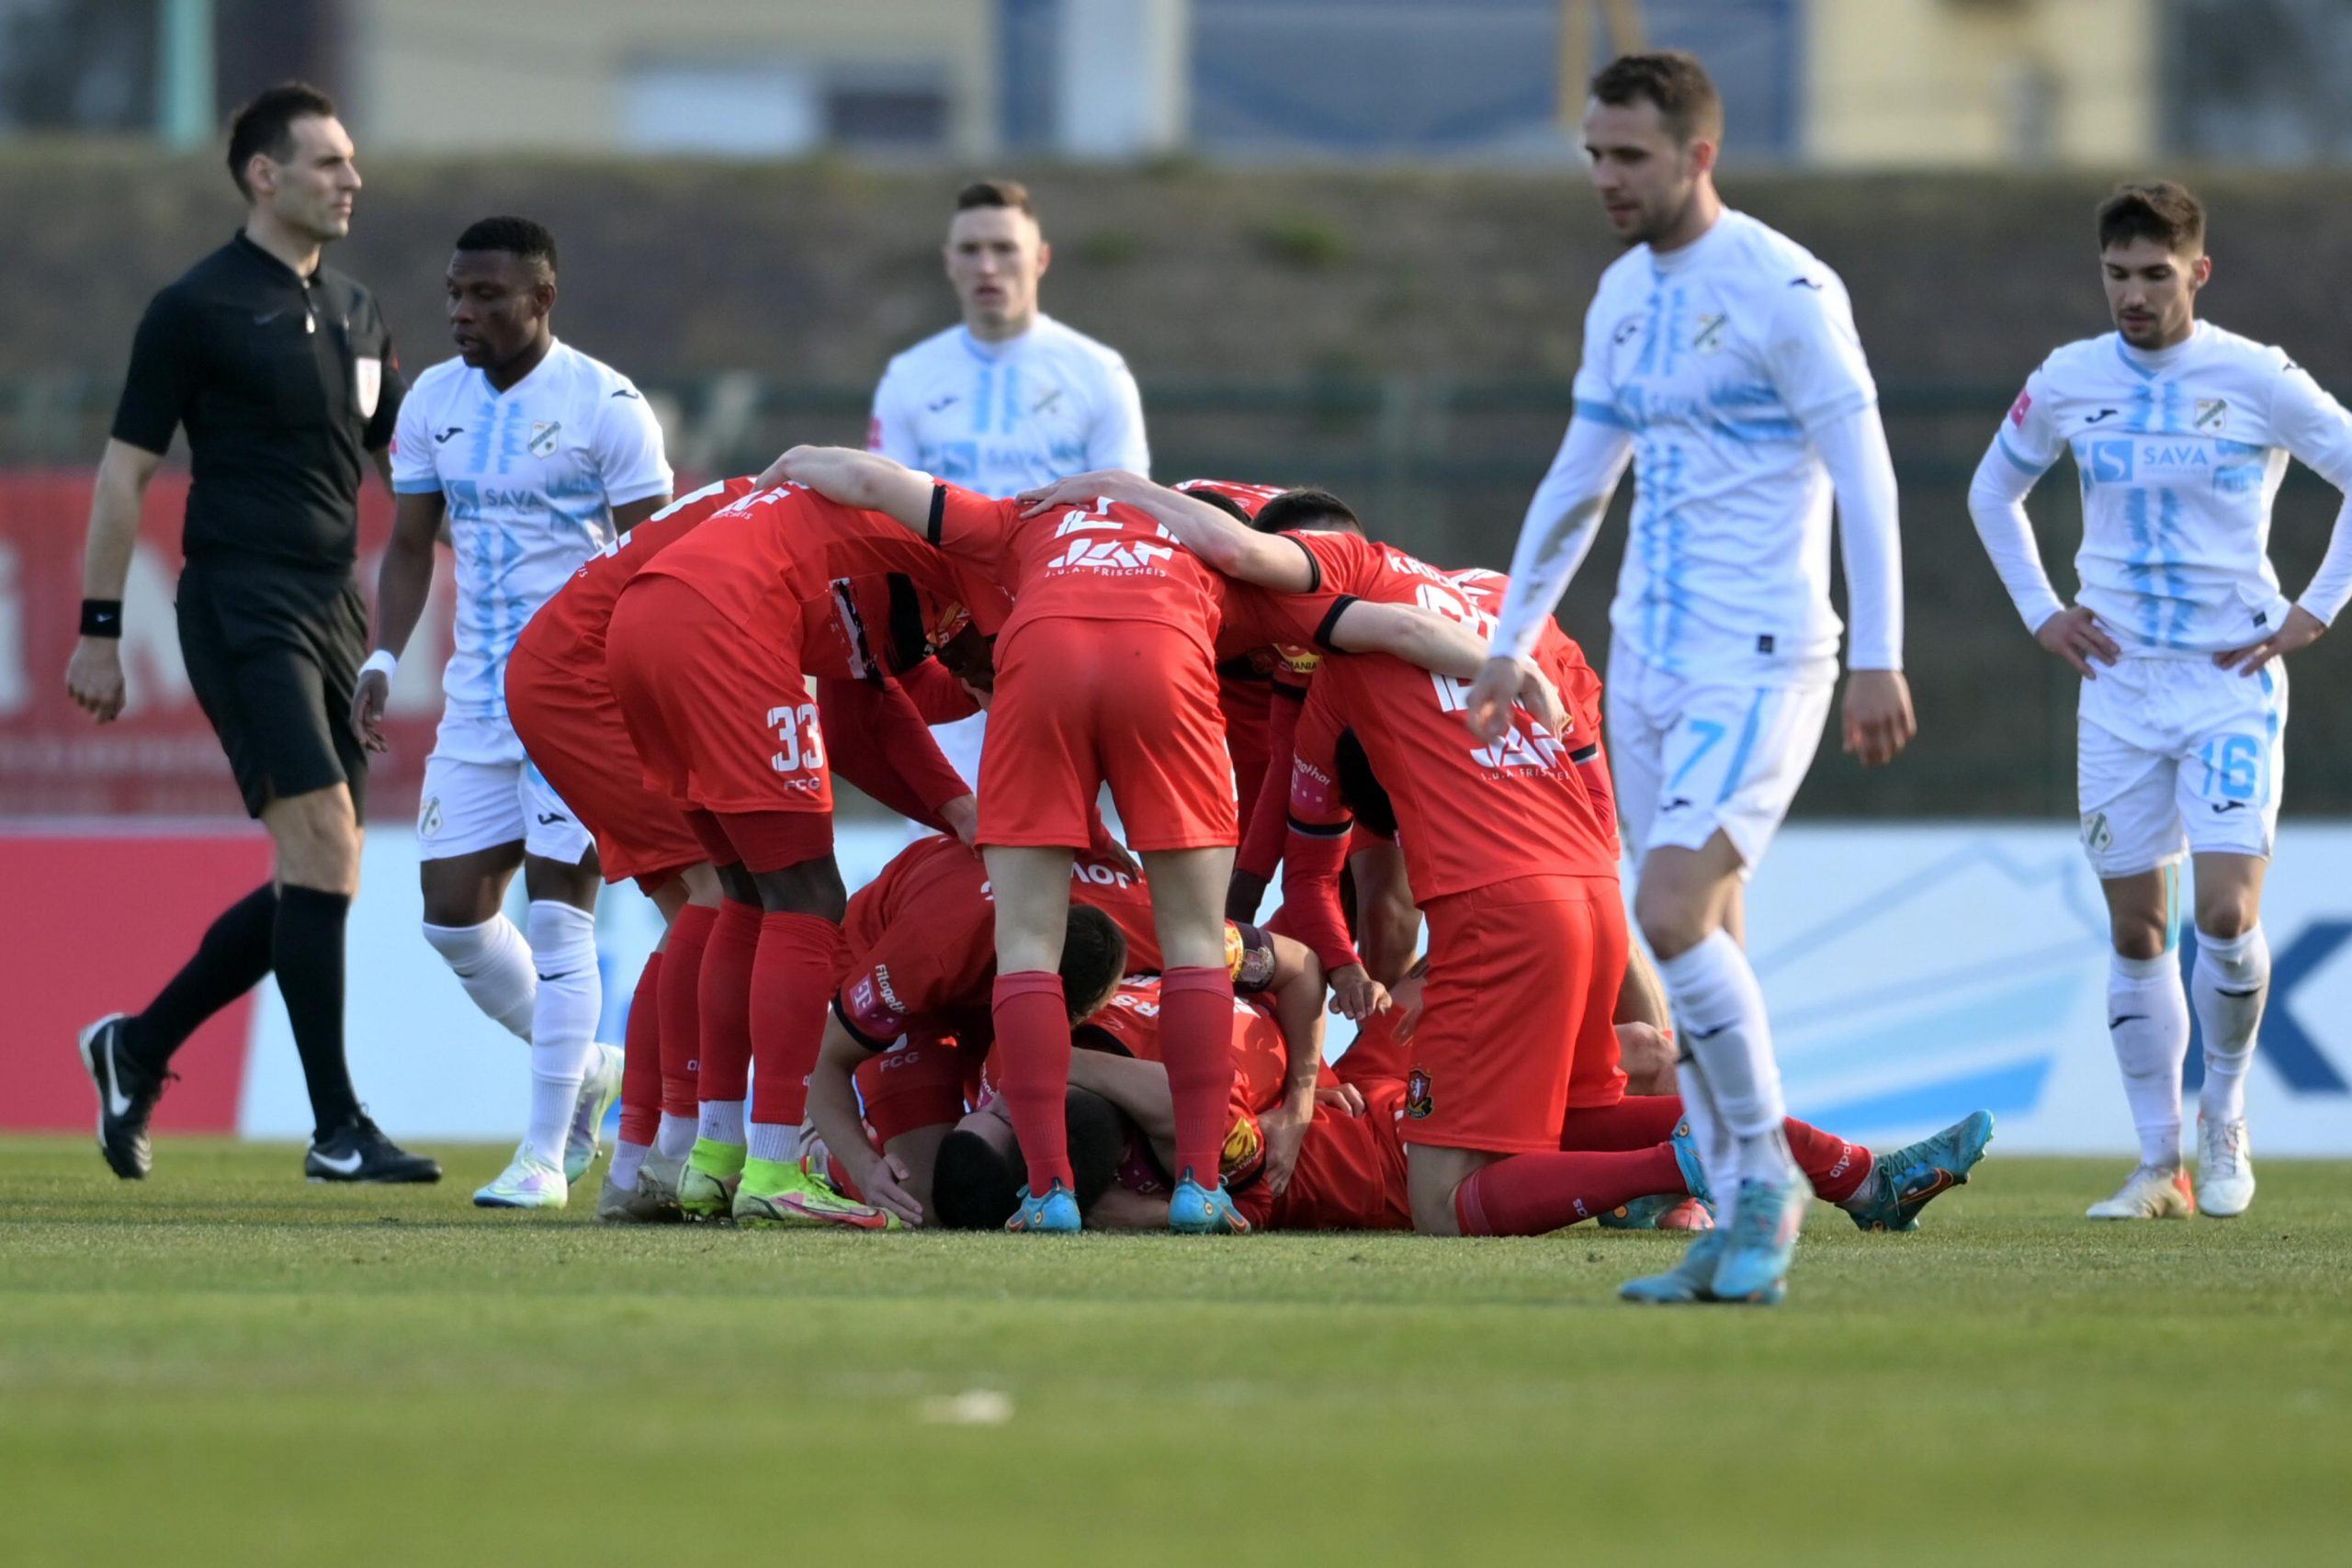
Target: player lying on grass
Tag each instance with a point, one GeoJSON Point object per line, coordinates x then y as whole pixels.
{"type": "Point", "coordinates": [1106, 673]}
{"type": "Point", "coordinates": [912, 1024]}
{"type": "Point", "coordinates": [709, 645]}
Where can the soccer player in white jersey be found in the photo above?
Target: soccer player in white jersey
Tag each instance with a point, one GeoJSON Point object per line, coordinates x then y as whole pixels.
{"type": "Point", "coordinates": [2181, 432]}
{"type": "Point", "coordinates": [1011, 399]}
{"type": "Point", "coordinates": [1721, 358]}
{"type": "Point", "coordinates": [538, 457]}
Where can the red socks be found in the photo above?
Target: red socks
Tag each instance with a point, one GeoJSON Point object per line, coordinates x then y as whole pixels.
{"type": "Point", "coordinates": [680, 1011]}
{"type": "Point", "coordinates": [1196, 1041]}
{"type": "Point", "coordinates": [1835, 1168]}
{"type": "Point", "coordinates": [792, 981]}
{"type": "Point", "coordinates": [641, 1058]}
{"type": "Point", "coordinates": [724, 997]}
{"type": "Point", "coordinates": [1536, 1194]}
{"type": "Point", "coordinates": [1032, 1057]}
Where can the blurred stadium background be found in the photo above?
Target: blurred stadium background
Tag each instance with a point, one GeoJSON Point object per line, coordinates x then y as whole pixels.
{"type": "Point", "coordinates": [1341, 241]}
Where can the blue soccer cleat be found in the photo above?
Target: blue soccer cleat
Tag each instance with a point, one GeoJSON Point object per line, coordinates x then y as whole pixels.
{"type": "Point", "coordinates": [1669, 1211]}
{"type": "Point", "coordinates": [1056, 1214]}
{"type": "Point", "coordinates": [1690, 1282]}
{"type": "Point", "coordinates": [1761, 1240]}
{"type": "Point", "coordinates": [1905, 1180]}
{"type": "Point", "coordinates": [1195, 1210]}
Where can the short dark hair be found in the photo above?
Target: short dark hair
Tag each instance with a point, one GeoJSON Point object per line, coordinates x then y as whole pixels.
{"type": "Point", "coordinates": [974, 1188]}
{"type": "Point", "coordinates": [1010, 194]}
{"type": "Point", "coordinates": [1306, 508]}
{"type": "Point", "coordinates": [267, 125]}
{"type": "Point", "coordinates": [1223, 502]}
{"type": "Point", "coordinates": [516, 236]}
{"type": "Point", "coordinates": [2162, 210]}
{"type": "Point", "coordinates": [1094, 955]}
{"type": "Point", "coordinates": [1673, 80]}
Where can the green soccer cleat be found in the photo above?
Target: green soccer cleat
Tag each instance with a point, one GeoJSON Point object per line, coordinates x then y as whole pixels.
{"type": "Point", "coordinates": [778, 1193]}
{"type": "Point", "coordinates": [1908, 1180]}
{"type": "Point", "coordinates": [706, 1187]}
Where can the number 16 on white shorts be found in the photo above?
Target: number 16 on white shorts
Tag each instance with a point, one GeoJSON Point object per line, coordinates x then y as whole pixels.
{"type": "Point", "coordinates": [2177, 756]}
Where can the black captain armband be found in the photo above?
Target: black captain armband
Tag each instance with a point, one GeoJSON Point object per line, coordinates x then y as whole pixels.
{"type": "Point", "coordinates": [102, 617]}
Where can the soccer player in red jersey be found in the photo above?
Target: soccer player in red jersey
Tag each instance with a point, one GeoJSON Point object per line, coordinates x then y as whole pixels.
{"type": "Point", "coordinates": [709, 647]}
{"type": "Point", "coordinates": [1105, 674]}
{"type": "Point", "coordinates": [562, 707]}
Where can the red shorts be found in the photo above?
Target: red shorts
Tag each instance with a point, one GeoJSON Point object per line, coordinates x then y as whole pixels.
{"type": "Point", "coordinates": [1083, 704]}
{"type": "Point", "coordinates": [1375, 1053]}
{"type": "Point", "coordinates": [1351, 1172]}
{"type": "Point", "coordinates": [566, 720]}
{"type": "Point", "coordinates": [720, 724]}
{"type": "Point", "coordinates": [1515, 1022]}
{"type": "Point", "coordinates": [922, 1084]}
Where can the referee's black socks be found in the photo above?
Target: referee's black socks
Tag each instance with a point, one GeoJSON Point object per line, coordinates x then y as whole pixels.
{"type": "Point", "coordinates": [307, 947]}
{"type": "Point", "coordinates": [230, 960]}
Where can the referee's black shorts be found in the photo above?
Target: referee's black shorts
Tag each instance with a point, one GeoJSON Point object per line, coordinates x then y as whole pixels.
{"type": "Point", "coordinates": [273, 653]}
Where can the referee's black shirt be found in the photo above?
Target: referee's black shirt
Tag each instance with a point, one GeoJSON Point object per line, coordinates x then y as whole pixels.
{"type": "Point", "coordinates": [286, 384]}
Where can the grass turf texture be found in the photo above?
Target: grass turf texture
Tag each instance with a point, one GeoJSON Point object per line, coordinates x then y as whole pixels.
{"type": "Point", "coordinates": [225, 1365]}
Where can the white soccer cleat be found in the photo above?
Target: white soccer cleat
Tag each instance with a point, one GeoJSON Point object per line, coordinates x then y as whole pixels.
{"type": "Point", "coordinates": [599, 1087]}
{"type": "Point", "coordinates": [527, 1183]}
{"type": "Point", "coordinates": [2150, 1192]}
{"type": "Point", "coordinates": [2224, 1168]}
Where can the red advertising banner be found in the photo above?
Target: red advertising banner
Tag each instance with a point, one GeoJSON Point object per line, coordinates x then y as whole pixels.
{"type": "Point", "coordinates": [160, 758]}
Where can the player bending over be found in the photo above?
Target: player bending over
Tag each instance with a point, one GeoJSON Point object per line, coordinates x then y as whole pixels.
{"type": "Point", "coordinates": [2181, 432]}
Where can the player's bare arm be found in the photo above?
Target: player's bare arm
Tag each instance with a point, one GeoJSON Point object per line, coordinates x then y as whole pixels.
{"type": "Point", "coordinates": [93, 675]}
{"type": "Point", "coordinates": [2075, 636]}
{"type": "Point", "coordinates": [1297, 992]}
{"type": "Point", "coordinates": [1444, 647]}
{"type": "Point", "coordinates": [1878, 719]}
{"type": "Point", "coordinates": [1268, 561]}
{"type": "Point", "coordinates": [402, 585]}
{"type": "Point", "coordinates": [1388, 924]}
{"type": "Point", "coordinates": [636, 512]}
{"type": "Point", "coordinates": [832, 1110]}
{"type": "Point", "coordinates": [1135, 1087]}
{"type": "Point", "coordinates": [866, 480]}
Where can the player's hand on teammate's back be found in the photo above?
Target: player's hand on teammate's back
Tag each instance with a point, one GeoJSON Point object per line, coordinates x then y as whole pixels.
{"type": "Point", "coordinates": [1080, 490]}
{"type": "Point", "coordinates": [2301, 629]}
{"type": "Point", "coordinates": [367, 700]}
{"type": "Point", "coordinates": [93, 678]}
{"type": "Point", "coordinates": [1879, 721]}
{"type": "Point", "coordinates": [2074, 636]}
{"type": "Point", "coordinates": [1356, 995]}
{"type": "Point", "coordinates": [885, 1188]}
{"type": "Point", "coordinates": [1491, 695]}
{"type": "Point", "coordinates": [962, 816]}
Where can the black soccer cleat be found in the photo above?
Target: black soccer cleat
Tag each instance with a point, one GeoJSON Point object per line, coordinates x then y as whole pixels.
{"type": "Point", "coordinates": [127, 1097]}
{"type": "Point", "coordinates": [359, 1151]}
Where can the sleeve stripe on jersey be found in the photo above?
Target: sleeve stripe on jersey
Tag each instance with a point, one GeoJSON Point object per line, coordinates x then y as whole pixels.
{"type": "Point", "coordinates": [938, 513]}
{"type": "Point", "coordinates": [1586, 755]}
{"type": "Point", "coordinates": [1331, 619]}
{"type": "Point", "coordinates": [1314, 567]}
{"type": "Point", "coordinates": [431, 486]}
{"type": "Point", "coordinates": [856, 1034]}
{"type": "Point", "coordinates": [1600, 414]}
{"type": "Point", "coordinates": [2001, 439]}
{"type": "Point", "coordinates": [1339, 829]}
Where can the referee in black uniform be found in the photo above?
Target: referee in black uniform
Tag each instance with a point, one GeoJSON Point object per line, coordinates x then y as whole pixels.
{"type": "Point", "coordinates": [283, 374]}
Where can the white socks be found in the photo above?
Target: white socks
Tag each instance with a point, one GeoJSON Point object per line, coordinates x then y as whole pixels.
{"type": "Point", "coordinates": [1720, 1020]}
{"type": "Point", "coordinates": [563, 1019]}
{"type": "Point", "coordinates": [2147, 1018]}
{"type": "Point", "coordinates": [675, 1139]}
{"type": "Point", "coordinates": [722, 1121]}
{"type": "Point", "coordinates": [628, 1160]}
{"type": "Point", "coordinates": [2229, 985]}
{"type": "Point", "coordinates": [773, 1141]}
{"type": "Point", "coordinates": [493, 964]}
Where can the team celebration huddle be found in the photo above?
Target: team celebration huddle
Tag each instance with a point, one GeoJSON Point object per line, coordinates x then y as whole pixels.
{"type": "Point", "coordinates": [1196, 767]}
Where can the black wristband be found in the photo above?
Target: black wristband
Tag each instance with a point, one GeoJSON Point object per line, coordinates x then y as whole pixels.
{"type": "Point", "coordinates": [101, 617]}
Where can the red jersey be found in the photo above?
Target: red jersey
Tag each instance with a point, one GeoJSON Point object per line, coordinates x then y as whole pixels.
{"type": "Point", "coordinates": [1261, 1063]}
{"type": "Point", "coordinates": [836, 591]}
{"type": "Point", "coordinates": [1468, 815]}
{"type": "Point", "coordinates": [570, 627]}
{"type": "Point", "coordinates": [1107, 562]}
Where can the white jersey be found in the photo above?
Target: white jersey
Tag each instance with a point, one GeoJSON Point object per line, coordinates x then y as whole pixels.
{"type": "Point", "coordinates": [530, 476]}
{"type": "Point", "coordinates": [2180, 453]}
{"type": "Point", "coordinates": [1001, 418]}
{"type": "Point", "coordinates": [1717, 358]}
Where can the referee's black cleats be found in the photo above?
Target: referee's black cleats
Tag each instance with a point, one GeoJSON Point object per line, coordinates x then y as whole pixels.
{"type": "Point", "coordinates": [359, 1151]}
{"type": "Point", "coordinates": [127, 1097]}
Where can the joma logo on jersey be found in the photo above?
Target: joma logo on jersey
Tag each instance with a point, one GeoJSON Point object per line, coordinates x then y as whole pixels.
{"type": "Point", "coordinates": [1110, 555]}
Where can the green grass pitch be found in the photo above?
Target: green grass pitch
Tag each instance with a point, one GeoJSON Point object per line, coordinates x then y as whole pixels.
{"type": "Point", "coordinates": [225, 1365]}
